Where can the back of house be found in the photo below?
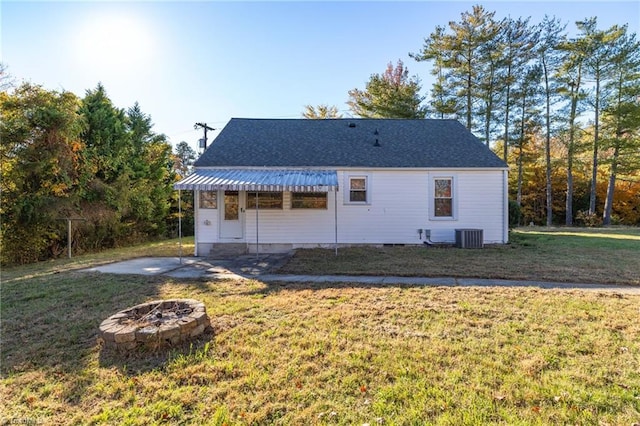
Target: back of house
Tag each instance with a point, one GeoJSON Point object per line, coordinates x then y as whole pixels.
{"type": "Point", "coordinates": [272, 185]}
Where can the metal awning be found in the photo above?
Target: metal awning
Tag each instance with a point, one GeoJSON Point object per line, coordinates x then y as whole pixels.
{"type": "Point", "coordinates": [260, 180]}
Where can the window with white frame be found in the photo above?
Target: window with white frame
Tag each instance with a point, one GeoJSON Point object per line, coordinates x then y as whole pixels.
{"type": "Point", "coordinates": [358, 189]}
{"type": "Point", "coordinates": [443, 197]}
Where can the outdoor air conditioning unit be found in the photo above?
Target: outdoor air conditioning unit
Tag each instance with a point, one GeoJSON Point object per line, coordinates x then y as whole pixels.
{"type": "Point", "coordinates": [469, 238]}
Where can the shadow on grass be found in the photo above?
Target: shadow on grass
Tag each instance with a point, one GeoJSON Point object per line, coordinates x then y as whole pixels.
{"type": "Point", "coordinates": [275, 287]}
{"type": "Point", "coordinates": [142, 360]}
{"type": "Point", "coordinates": [50, 329]}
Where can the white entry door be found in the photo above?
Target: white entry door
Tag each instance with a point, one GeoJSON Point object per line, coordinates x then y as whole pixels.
{"type": "Point", "coordinates": [232, 218]}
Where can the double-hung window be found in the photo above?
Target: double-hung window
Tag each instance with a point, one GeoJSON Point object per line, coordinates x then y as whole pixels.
{"type": "Point", "coordinates": [443, 198]}
{"type": "Point", "coordinates": [358, 189]}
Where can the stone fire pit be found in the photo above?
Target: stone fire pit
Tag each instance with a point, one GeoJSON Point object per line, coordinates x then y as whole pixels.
{"type": "Point", "coordinates": [154, 324]}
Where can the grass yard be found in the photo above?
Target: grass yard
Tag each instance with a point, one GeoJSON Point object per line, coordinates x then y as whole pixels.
{"type": "Point", "coordinates": [339, 353]}
{"type": "Point", "coordinates": [323, 354]}
{"type": "Point", "coordinates": [604, 255]}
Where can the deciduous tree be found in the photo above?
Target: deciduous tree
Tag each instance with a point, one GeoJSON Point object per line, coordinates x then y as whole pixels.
{"type": "Point", "coordinates": [321, 112]}
{"type": "Point", "coordinates": [392, 94]}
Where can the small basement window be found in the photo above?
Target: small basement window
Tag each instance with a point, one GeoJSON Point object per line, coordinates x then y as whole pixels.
{"type": "Point", "coordinates": [208, 200]}
{"type": "Point", "coordinates": [308, 200]}
{"type": "Point", "coordinates": [266, 200]}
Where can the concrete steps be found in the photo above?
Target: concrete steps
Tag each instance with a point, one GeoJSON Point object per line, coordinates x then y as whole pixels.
{"type": "Point", "coordinates": [226, 250]}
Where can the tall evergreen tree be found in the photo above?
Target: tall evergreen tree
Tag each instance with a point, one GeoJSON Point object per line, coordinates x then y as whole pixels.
{"type": "Point", "coordinates": [551, 35]}
{"type": "Point", "coordinates": [466, 65]}
{"type": "Point", "coordinates": [105, 135]}
{"type": "Point", "coordinates": [41, 170]}
{"type": "Point", "coordinates": [570, 76]}
{"type": "Point", "coordinates": [443, 102]}
{"type": "Point", "coordinates": [527, 96]}
{"type": "Point", "coordinates": [468, 39]}
{"type": "Point", "coordinates": [599, 46]}
{"type": "Point", "coordinates": [519, 42]}
{"type": "Point", "coordinates": [622, 114]}
{"type": "Point", "coordinates": [184, 158]}
{"type": "Point", "coordinates": [491, 81]}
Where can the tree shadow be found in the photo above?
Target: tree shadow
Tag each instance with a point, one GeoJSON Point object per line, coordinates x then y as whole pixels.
{"type": "Point", "coordinates": [142, 360]}
{"type": "Point", "coordinates": [50, 329]}
{"type": "Point", "coordinates": [274, 287]}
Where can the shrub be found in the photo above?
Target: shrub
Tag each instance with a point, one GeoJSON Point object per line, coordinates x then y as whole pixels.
{"type": "Point", "coordinates": [590, 220]}
{"type": "Point", "coordinates": [515, 214]}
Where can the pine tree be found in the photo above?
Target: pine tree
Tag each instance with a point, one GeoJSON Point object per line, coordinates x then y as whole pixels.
{"type": "Point", "coordinates": [551, 35]}
{"type": "Point", "coordinates": [621, 117]}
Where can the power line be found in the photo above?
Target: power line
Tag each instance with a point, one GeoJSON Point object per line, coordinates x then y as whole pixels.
{"type": "Point", "coordinates": [203, 143]}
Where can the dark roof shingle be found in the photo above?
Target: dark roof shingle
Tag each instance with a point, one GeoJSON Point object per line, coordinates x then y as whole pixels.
{"type": "Point", "coordinates": [336, 143]}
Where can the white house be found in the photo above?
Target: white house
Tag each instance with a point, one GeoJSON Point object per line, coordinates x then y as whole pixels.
{"type": "Point", "coordinates": [272, 185]}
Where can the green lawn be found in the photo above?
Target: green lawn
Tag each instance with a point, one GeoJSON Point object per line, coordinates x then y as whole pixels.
{"type": "Point", "coordinates": [307, 353]}
{"type": "Point", "coordinates": [562, 254]}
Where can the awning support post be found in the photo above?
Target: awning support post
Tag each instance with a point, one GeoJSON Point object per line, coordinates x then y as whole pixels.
{"type": "Point", "coordinates": [180, 225]}
{"type": "Point", "coordinates": [257, 228]}
{"type": "Point", "coordinates": [335, 216]}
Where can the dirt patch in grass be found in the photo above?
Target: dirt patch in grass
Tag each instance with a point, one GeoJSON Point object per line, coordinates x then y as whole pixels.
{"type": "Point", "coordinates": [324, 354]}
{"type": "Point", "coordinates": [563, 255]}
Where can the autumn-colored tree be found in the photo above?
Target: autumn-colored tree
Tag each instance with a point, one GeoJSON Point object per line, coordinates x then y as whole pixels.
{"type": "Point", "coordinates": [392, 94]}
{"type": "Point", "coordinates": [41, 170]}
{"type": "Point", "coordinates": [321, 112]}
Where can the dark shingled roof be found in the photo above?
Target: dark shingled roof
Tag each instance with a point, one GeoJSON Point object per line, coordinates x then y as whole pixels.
{"type": "Point", "coordinates": [337, 143]}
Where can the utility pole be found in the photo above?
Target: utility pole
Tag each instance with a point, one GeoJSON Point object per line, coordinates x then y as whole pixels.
{"type": "Point", "coordinates": [205, 127]}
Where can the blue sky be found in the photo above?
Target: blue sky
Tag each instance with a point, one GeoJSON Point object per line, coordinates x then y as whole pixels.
{"type": "Point", "coordinates": [208, 61]}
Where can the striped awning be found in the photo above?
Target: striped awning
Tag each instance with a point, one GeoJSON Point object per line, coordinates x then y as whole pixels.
{"type": "Point", "coordinates": [260, 180]}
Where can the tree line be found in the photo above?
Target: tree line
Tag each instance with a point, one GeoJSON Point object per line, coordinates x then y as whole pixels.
{"type": "Point", "coordinates": [523, 88]}
{"type": "Point", "coordinates": [85, 159]}
{"type": "Point", "coordinates": [563, 112]}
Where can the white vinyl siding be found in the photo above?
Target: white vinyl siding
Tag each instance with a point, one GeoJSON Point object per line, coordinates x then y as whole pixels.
{"type": "Point", "coordinates": [296, 226]}
{"type": "Point", "coordinates": [400, 203]}
{"type": "Point", "coordinates": [206, 222]}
